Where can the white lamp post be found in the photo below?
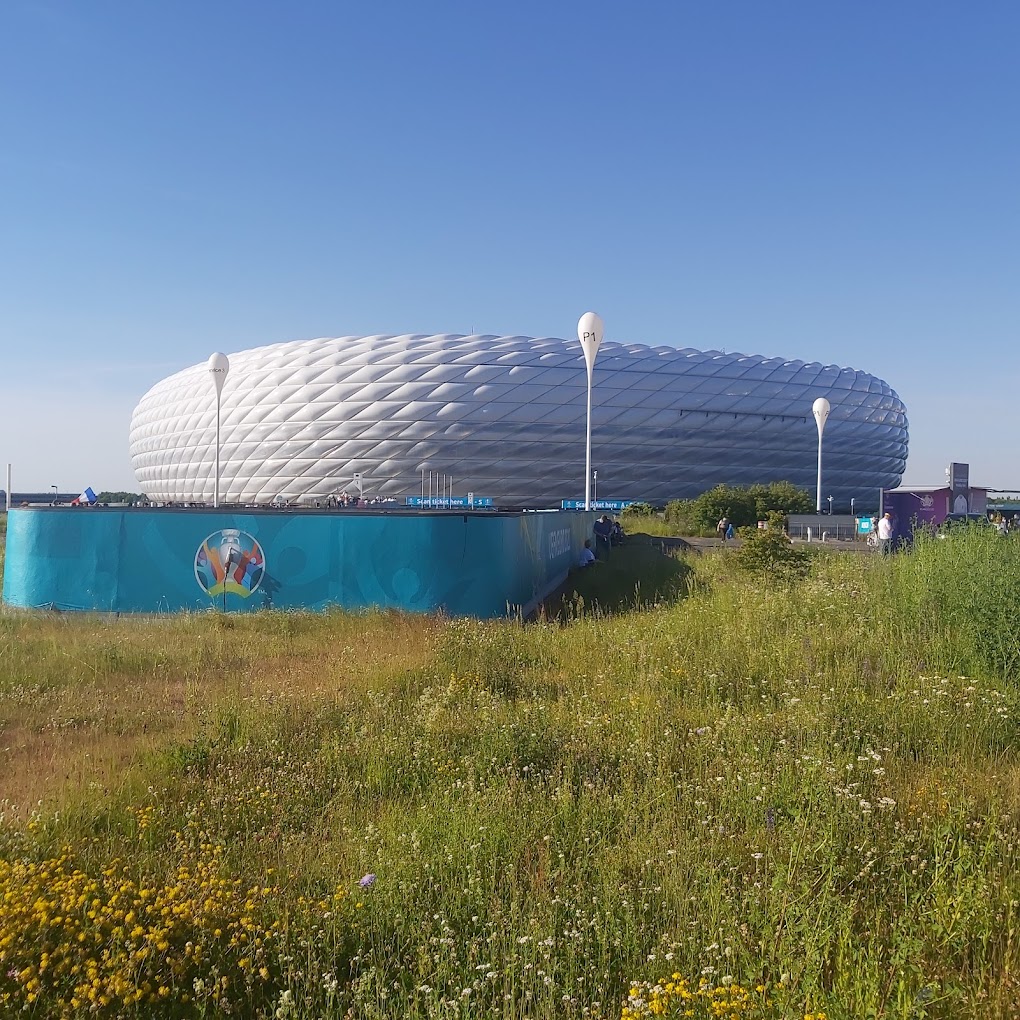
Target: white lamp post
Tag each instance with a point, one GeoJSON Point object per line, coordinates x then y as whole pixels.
{"type": "Point", "coordinates": [589, 332]}
{"type": "Point", "coordinates": [595, 487]}
{"type": "Point", "coordinates": [830, 505]}
{"type": "Point", "coordinates": [218, 368]}
{"type": "Point", "coordinates": [820, 408]}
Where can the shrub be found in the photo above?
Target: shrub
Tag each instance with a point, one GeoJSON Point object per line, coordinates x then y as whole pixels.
{"type": "Point", "coordinates": [770, 552]}
{"type": "Point", "coordinates": [637, 510]}
{"type": "Point", "coordinates": [743, 505]}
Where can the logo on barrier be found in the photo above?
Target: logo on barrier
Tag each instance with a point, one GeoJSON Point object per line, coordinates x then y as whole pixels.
{"type": "Point", "coordinates": [559, 542]}
{"type": "Point", "coordinates": [229, 561]}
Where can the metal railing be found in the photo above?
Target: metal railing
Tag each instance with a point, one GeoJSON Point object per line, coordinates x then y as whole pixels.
{"type": "Point", "coordinates": [823, 527]}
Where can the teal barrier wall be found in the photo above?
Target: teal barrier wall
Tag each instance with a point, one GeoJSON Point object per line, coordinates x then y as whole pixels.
{"type": "Point", "coordinates": [152, 561]}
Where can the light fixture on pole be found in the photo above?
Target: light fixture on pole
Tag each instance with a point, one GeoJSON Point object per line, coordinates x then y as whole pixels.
{"type": "Point", "coordinates": [820, 409]}
{"type": "Point", "coordinates": [595, 487]}
{"type": "Point", "coordinates": [830, 506]}
{"type": "Point", "coordinates": [852, 501]}
{"type": "Point", "coordinates": [589, 332]}
{"type": "Point", "coordinates": [218, 368]}
{"type": "Point", "coordinates": [54, 488]}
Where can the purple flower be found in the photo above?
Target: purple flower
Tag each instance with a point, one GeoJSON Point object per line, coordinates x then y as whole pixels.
{"type": "Point", "coordinates": [367, 881]}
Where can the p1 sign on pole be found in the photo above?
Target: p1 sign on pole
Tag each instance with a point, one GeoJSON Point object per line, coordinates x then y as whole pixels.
{"type": "Point", "coordinates": [218, 366]}
{"type": "Point", "coordinates": [820, 409]}
{"type": "Point", "coordinates": [589, 332]}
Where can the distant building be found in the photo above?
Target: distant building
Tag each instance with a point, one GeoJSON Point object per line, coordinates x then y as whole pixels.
{"type": "Point", "coordinates": [36, 498]}
{"type": "Point", "coordinates": [916, 505]}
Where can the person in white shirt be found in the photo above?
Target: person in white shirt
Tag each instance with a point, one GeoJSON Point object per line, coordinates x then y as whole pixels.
{"type": "Point", "coordinates": [587, 556]}
{"type": "Point", "coordinates": [885, 532]}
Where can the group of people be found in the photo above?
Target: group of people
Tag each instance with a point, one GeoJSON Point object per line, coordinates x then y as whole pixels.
{"type": "Point", "coordinates": [341, 500]}
{"type": "Point", "coordinates": [1006, 525]}
{"type": "Point", "coordinates": [608, 532]}
{"type": "Point", "coordinates": [335, 500]}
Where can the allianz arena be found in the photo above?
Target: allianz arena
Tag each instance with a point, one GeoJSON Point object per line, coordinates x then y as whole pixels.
{"type": "Point", "coordinates": [504, 417]}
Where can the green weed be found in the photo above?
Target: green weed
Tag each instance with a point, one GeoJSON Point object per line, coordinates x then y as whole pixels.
{"type": "Point", "coordinates": [798, 799]}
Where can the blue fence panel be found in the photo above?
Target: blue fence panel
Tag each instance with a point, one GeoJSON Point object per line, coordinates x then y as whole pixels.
{"type": "Point", "coordinates": [176, 560]}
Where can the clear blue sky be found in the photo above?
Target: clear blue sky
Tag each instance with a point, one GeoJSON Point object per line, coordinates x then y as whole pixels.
{"type": "Point", "coordinates": [828, 181]}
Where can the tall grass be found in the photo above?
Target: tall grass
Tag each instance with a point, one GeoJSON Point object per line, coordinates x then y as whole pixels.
{"type": "Point", "coordinates": [963, 591]}
{"type": "Point", "coordinates": [809, 789]}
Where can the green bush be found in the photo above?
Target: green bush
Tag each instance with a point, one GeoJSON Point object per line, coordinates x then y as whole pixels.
{"type": "Point", "coordinates": [768, 551]}
{"type": "Point", "coordinates": [637, 510]}
{"type": "Point", "coordinates": [743, 505]}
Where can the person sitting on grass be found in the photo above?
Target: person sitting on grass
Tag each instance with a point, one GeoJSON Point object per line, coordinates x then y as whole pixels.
{"type": "Point", "coordinates": [587, 556]}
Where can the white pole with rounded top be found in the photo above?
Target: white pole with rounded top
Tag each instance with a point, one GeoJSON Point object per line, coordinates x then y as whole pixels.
{"type": "Point", "coordinates": [820, 409]}
{"type": "Point", "coordinates": [589, 332]}
{"type": "Point", "coordinates": [219, 365]}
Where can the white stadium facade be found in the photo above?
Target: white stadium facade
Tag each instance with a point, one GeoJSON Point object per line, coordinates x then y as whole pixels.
{"type": "Point", "coordinates": [504, 417]}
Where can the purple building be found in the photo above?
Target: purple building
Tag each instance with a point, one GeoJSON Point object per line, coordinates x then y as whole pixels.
{"type": "Point", "coordinates": [929, 505]}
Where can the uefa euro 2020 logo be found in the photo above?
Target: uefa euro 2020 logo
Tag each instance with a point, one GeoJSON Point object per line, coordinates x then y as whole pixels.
{"type": "Point", "coordinates": [229, 561]}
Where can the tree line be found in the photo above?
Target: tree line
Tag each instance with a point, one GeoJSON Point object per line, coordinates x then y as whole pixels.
{"type": "Point", "coordinates": [744, 506]}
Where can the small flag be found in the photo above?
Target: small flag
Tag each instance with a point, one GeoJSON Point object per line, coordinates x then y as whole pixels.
{"type": "Point", "coordinates": [88, 496]}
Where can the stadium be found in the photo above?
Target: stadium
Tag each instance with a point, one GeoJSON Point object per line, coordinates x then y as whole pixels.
{"type": "Point", "coordinates": [504, 417]}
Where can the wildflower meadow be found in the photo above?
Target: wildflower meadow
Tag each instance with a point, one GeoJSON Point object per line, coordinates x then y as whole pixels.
{"type": "Point", "coordinates": [733, 795]}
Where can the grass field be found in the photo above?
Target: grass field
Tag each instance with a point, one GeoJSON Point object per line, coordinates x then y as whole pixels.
{"type": "Point", "coordinates": [687, 791]}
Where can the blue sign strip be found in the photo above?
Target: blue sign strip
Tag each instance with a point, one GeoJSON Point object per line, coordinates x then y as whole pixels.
{"type": "Point", "coordinates": [448, 502]}
{"type": "Point", "coordinates": [596, 504]}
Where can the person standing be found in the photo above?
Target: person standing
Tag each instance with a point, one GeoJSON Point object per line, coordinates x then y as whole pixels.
{"type": "Point", "coordinates": [720, 528]}
{"type": "Point", "coordinates": [885, 533]}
